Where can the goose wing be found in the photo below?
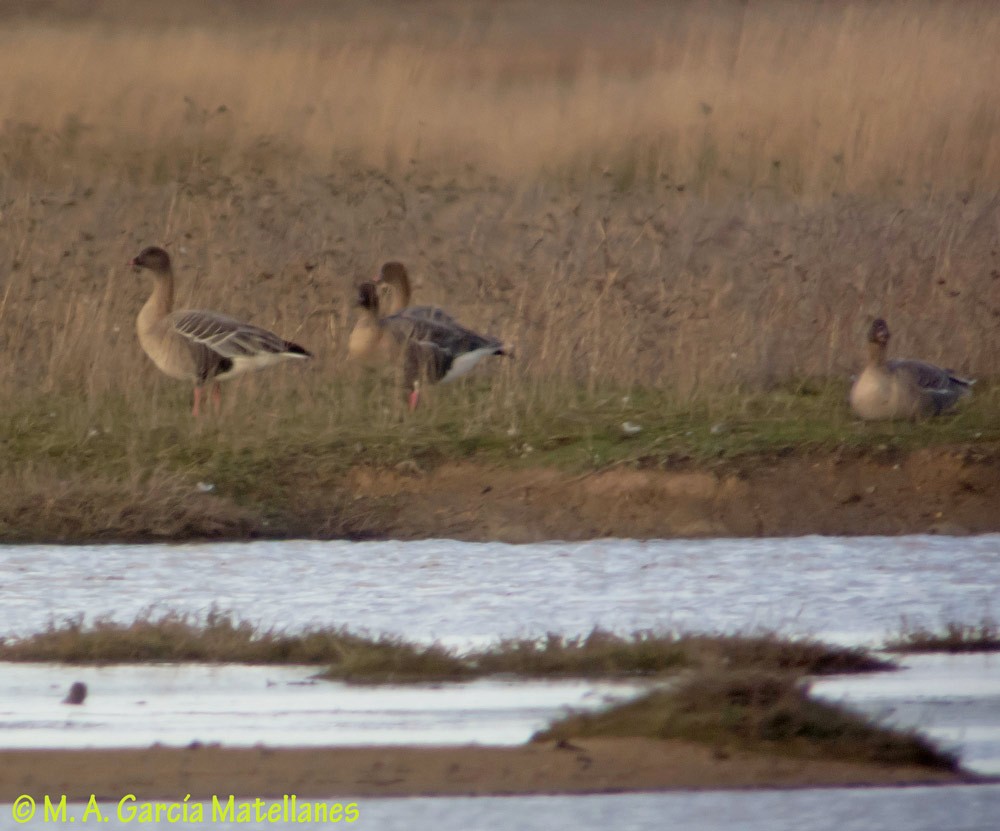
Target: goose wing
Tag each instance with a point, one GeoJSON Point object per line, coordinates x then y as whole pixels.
{"type": "Point", "coordinates": [940, 388]}
{"type": "Point", "coordinates": [930, 377]}
{"type": "Point", "coordinates": [228, 337]}
{"type": "Point", "coordinates": [446, 335]}
{"type": "Point", "coordinates": [434, 314]}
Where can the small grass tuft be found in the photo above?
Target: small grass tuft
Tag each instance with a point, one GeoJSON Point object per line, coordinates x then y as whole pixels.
{"type": "Point", "coordinates": [598, 655]}
{"type": "Point", "coordinates": [772, 653]}
{"type": "Point", "coordinates": [952, 637]}
{"type": "Point", "coordinates": [393, 661]}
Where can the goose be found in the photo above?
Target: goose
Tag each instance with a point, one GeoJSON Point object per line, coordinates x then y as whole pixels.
{"type": "Point", "coordinates": [435, 350]}
{"type": "Point", "coordinates": [902, 388]}
{"type": "Point", "coordinates": [201, 346]}
{"type": "Point", "coordinates": [394, 275]}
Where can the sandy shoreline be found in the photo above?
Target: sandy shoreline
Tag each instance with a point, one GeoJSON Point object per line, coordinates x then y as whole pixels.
{"type": "Point", "coordinates": [587, 766]}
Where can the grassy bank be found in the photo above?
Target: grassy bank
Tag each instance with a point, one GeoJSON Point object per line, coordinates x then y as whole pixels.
{"type": "Point", "coordinates": [685, 229]}
{"type": "Point", "coordinates": [130, 469]}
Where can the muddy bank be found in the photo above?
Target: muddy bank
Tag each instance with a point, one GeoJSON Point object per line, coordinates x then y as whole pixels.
{"type": "Point", "coordinates": [929, 491]}
{"type": "Point", "coordinates": [940, 490]}
{"type": "Point", "coordinates": [587, 766]}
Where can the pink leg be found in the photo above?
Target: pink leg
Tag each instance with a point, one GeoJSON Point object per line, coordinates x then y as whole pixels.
{"type": "Point", "coordinates": [217, 398]}
{"type": "Point", "coordinates": [196, 409]}
{"type": "Point", "coordinates": [414, 397]}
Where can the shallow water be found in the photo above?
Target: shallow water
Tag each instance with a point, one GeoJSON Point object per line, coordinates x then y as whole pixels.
{"type": "Point", "coordinates": [961, 808]}
{"type": "Point", "coordinates": [854, 590]}
{"type": "Point", "coordinates": [850, 590]}
{"type": "Point", "coordinates": [240, 706]}
{"type": "Point", "coordinates": [953, 699]}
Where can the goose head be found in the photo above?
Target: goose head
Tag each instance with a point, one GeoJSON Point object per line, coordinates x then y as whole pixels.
{"type": "Point", "coordinates": [879, 332]}
{"type": "Point", "coordinates": [154, 258]}
{"type": "Point", "coordinates": [393, 274]}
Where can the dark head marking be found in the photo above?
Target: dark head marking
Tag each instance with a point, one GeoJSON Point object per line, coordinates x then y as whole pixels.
{"type": "Point", "coordinates": [879, 332]}
{"type": "Point", "coordinates": [154, 258]}
{"type": "Point", "coordinates": [393, 273]}
{"type": "Point", "coordinates": [368, 296]}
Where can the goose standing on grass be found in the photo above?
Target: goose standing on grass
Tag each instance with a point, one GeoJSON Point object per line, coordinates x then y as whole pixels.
{"type": "Point", "coordinates": [396, 279]}
{"type": "Point", "coordinates": [900, 388]}
{"type": "Point", "coordinates": [201, 346]}
{"type": "Point", "coordinates": [432, 350]}
{"type": "Point", "coordinates": [394, 275]}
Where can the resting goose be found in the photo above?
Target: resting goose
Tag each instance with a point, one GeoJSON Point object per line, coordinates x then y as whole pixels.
{"type": "Point", "coordinates": [901, 388]}
{"type": "Point", "coordinates": [200, 346]}
{"type": "Point", "coordinates": [435, 350]}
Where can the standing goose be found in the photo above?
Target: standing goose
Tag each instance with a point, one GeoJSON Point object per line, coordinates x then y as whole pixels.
{"type": "Point", "coordinates": [394, 275]}
{"type": "Point", "coordinates": [902, 388]}
{"type": "Point", "coordinates": [435, 350]}
{"type": "Point", "coordinates": [201, 346]}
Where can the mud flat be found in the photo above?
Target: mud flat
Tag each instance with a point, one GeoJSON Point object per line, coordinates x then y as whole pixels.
{"type": "Point", "coordinates": [588, 766]}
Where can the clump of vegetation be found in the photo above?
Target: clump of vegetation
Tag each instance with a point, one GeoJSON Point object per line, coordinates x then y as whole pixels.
{"type": "Point", "coordinates": [983, 636]}
{"type": "Point", "coordinates": [599, 654]}
{"type": "Point", "coordinates": [754, 710]}
{"type": "Point", "coordinates": [386, 659]}
{"type": "Point", "coordinates": [221, 639]}
{"type": "Point", "coordinates": [390, 660]}
{"type": "Point", "coordinates": [604, 654]}
{"type": "Point", "coordinates": [772, 653]}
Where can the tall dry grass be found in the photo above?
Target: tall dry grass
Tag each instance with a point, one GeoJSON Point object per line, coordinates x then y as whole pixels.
{"type": "Point", "coordinates": [687, 197]}
{"type": "Point", "coordinates": [805, 97]}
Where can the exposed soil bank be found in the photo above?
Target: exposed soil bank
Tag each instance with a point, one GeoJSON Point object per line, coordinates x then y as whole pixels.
{"type": "Point", "coordinates": [940, 490]}
{"type": "Point", "coordinates": [589, 766]}
{"type": "Point", "coordinates": [928, 491]}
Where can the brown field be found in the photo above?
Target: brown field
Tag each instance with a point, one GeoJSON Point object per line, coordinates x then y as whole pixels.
{"type": "Point", "coordinates": [684, 207]}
